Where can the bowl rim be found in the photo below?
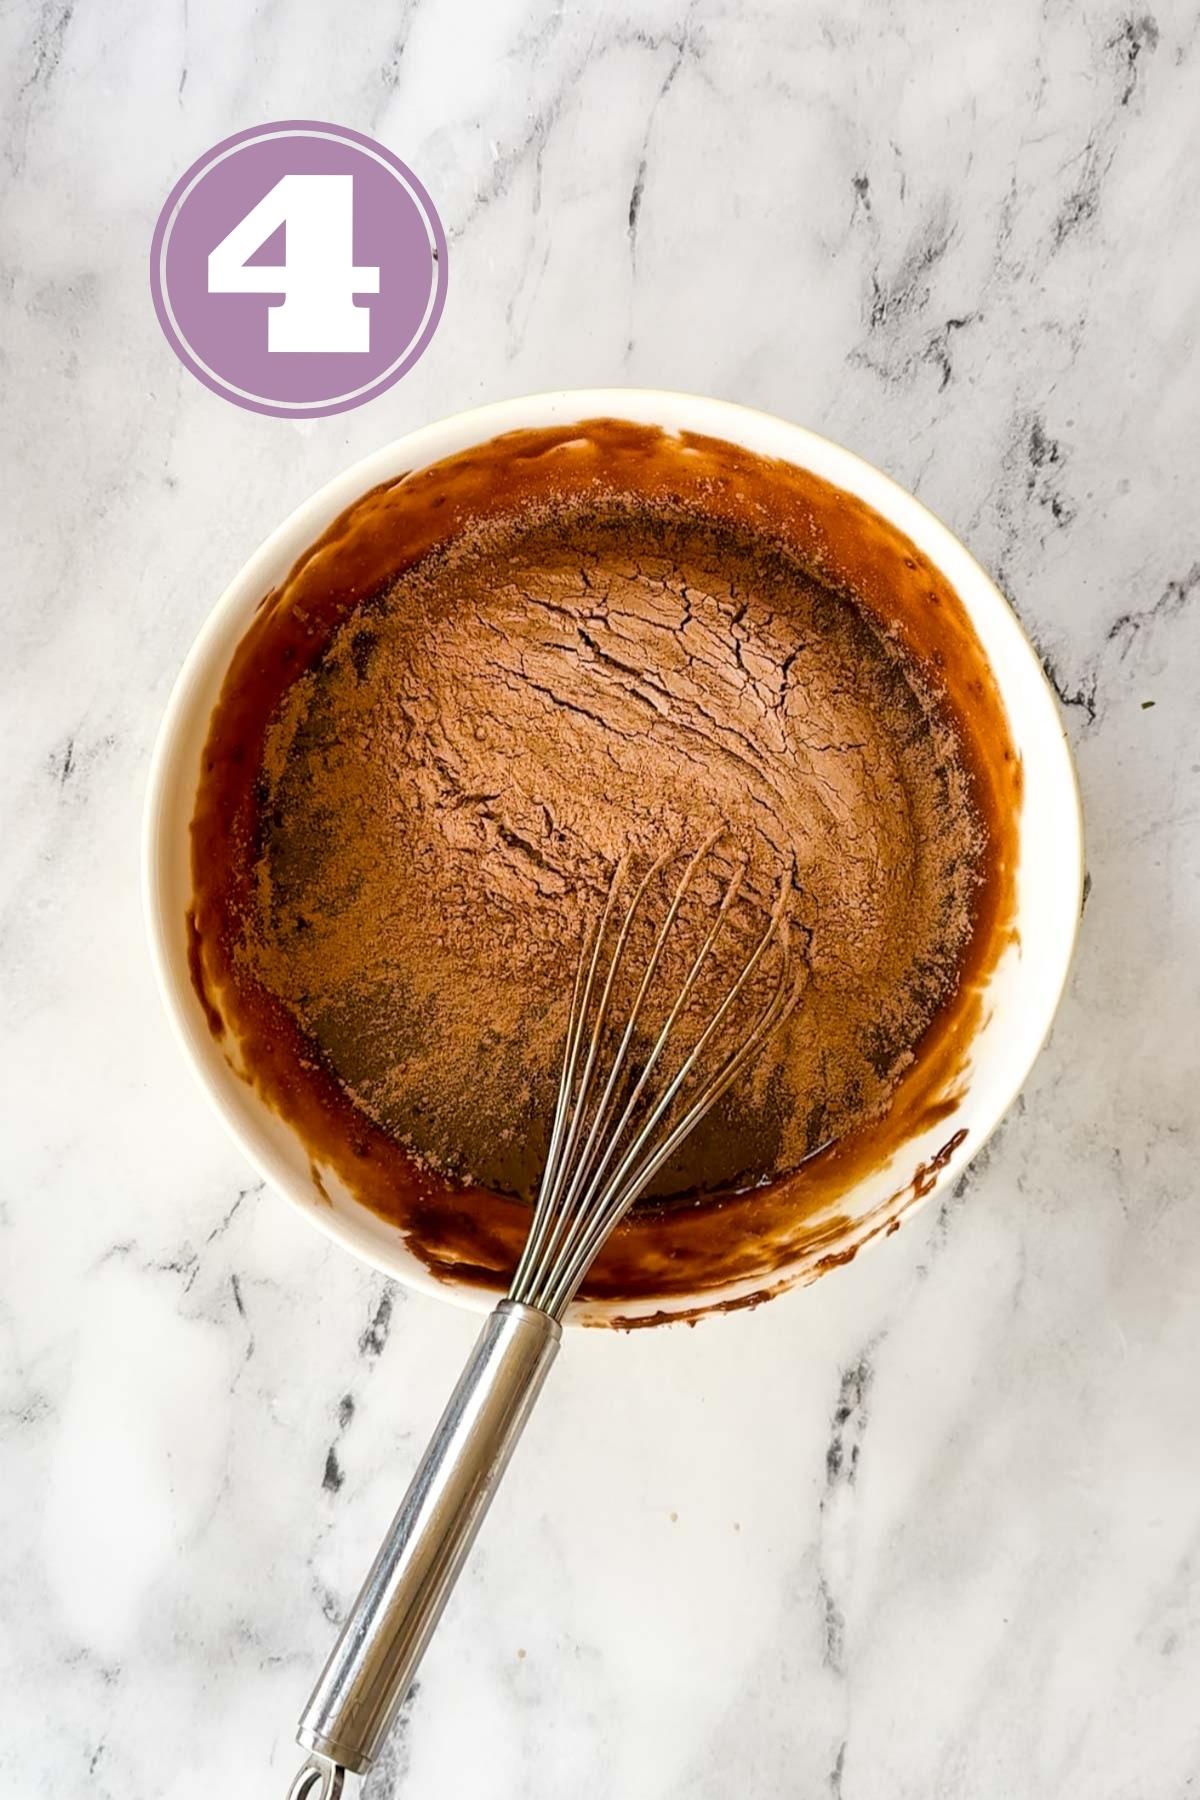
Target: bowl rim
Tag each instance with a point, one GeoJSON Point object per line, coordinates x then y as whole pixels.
{"type": "Point", "coordinates": [417, 449]}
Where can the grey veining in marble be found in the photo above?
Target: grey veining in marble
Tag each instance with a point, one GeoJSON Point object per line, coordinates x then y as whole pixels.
{"type": "Point", "coordinates": [930, 1529]}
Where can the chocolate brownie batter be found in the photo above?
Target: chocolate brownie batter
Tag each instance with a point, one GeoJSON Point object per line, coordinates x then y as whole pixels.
{"type": "Point", "coordinates": [444, 794]}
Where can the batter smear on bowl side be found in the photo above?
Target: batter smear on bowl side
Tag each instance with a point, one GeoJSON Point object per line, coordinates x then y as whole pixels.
{"type": "Point", "coordinates": [444, 791]}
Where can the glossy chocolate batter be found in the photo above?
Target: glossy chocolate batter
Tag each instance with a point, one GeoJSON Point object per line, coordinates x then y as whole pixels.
{"type": "Point", "coordinates": [444, 792]}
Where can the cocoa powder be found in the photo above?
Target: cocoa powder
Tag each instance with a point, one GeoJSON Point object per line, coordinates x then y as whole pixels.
{"type": "Point", "coordinates": [446, 793]}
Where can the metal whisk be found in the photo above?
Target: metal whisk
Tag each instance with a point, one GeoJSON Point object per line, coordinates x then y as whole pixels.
{"type": "Point", "coordinates": [622, 1111]}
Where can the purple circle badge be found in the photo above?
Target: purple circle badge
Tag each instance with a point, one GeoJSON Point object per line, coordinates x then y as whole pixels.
{"type": "Point", "coordinates": [298, 269]}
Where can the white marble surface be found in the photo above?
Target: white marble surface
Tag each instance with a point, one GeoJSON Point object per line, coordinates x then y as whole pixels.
{"type": "Point", "coordinates": [931, 1528]}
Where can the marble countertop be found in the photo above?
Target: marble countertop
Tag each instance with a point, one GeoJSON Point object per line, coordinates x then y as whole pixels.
{"type": "Point", "coordinates": [930, 1528]}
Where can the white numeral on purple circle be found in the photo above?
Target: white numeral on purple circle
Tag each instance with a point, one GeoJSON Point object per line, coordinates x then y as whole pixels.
{"type": "Point", "coordinates": [298, 268]}
{"type": "Point", "coordinates": [318, 277]}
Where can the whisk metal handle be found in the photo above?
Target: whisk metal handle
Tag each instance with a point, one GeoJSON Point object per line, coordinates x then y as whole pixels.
{"type": "Point", "coordinates": [390, 1624]}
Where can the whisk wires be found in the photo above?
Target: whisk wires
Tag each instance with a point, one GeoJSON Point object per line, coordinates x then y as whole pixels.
{"type": "Point", "coordinates": [617, 1123]}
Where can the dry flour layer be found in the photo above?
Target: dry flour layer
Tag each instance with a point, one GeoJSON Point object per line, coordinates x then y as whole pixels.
{"type": "Point", "coordinates": [446, 793]}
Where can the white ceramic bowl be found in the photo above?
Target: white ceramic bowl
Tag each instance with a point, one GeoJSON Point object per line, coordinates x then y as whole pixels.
{"type": "Point", "coordinates": [1024, 988]}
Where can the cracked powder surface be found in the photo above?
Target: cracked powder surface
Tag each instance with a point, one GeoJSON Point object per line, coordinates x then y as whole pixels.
{"type": "Point", "coordinates": [446, 794]}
